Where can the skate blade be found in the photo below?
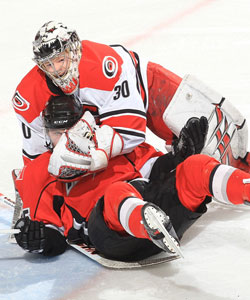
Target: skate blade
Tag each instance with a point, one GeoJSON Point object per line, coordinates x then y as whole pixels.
{"type": "Point", "coordinates": [164, 231]}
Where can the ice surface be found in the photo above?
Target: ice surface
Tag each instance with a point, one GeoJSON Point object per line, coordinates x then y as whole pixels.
{"type": "Point", "coordinates": [209, 39]}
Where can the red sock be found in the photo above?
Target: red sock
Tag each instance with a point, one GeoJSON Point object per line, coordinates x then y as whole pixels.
{"type": "Point", "coordinates": [192, 180]}
{"type": "Point", "coordinates": [122, 209]}
{"type": "Point", "coordinates": [200, 176]}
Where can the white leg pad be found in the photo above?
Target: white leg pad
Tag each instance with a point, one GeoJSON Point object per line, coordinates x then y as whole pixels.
{"type": "Point", "coordinates": [227, 134]}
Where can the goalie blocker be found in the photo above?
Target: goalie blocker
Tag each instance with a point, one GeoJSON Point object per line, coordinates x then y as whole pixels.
{"type": "Point", "coordinates": [227, 138]}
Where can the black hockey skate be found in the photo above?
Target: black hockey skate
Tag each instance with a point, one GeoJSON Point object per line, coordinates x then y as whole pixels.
{"type": "Point", "coordinates": [160, 229]}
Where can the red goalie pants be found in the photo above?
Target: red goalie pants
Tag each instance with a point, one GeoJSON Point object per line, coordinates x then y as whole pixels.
{"type": "Point", "coordinates": [162, 85]}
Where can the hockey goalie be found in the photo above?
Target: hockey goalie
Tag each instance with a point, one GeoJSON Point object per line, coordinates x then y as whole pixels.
{"type": "Point", "coordinates": [125, 92]}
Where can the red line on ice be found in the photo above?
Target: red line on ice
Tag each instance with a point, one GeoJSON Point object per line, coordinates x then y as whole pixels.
{"type": "Point", "coordinates": [168, 22]}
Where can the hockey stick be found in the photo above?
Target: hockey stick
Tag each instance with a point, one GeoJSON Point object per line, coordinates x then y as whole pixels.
{"type": "Point", "coordinates": [7, 201]}
{"type": "Point", "coordinates": [9, 231]}
{"type": "Point", "coordinates": [112, 264]}
{"type": "Point", "coordinates": [92, 253]}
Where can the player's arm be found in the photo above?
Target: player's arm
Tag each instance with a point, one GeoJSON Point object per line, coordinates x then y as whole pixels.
{"type": "Point", "coordinates": [40, 226]}
{"type": "Point", "coordinates": [28, 101]}
{"type": "Point", "coordinates": [128, 121]}
{"type": "Point", "coordinates": [33, 139]}
{"type": "Point", "coordinates": [125, 106]}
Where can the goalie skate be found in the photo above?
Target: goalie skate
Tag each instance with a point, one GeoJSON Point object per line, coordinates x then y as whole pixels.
{"type": "Point", "coordinates": [160, 229]}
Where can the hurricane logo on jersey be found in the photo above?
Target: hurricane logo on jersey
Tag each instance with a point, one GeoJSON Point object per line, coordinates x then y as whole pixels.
{"type": "Point", "coordinates": [20, 103]}
{"type": "Point", "coordinates": [109, 66]}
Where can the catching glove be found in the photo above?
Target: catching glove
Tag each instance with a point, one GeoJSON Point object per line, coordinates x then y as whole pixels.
{"type": "Point", "coordinates": [85, 148]}
{"type": "Point", "coordinates": [108, 144]}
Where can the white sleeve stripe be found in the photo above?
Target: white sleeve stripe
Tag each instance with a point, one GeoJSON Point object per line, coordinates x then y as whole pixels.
{"type": "Point", "coordinates": [219, 182]}
{"type": "Point", "coordinates": [147, 167]}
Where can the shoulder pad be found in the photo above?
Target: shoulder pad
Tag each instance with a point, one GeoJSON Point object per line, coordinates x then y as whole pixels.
{"type": "Point", "coordinates": [31, 95]}
{"type": "Point", "coordinates": [100, 66]}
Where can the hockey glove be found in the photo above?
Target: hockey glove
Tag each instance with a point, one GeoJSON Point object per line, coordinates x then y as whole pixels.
{"type": "Point", "coordinates": [67, 161]}
{"type": "Point", "coordinates": [108, 144]}
{"type": "Point", "coordinates": [34, 237]}
{"type": "Point", "coordinates": [103, 142]}
{"type": "Point", "coordinates": [71, 156]}
{"type": "Point", "coordinates": [191, 139]}
{"type": "Point", "coordinates": [85, 148]}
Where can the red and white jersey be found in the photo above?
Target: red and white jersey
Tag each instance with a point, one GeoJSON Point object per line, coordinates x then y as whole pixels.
{"type": "Point", "coordinates": [68, 205]}
{"type": "Point", "coordinates": [115, 85]}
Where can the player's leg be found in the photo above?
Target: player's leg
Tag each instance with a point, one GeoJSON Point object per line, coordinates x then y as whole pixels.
{"type": "Point", "coordinates": [200, 176]}
{"type": "Point", "coordinates": [126, 212]}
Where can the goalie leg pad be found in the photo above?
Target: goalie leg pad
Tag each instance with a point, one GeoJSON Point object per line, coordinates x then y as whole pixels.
{"type": "Point", "coordinates": [227, 138]}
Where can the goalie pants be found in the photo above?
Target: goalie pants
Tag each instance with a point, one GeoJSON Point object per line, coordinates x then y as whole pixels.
{"type": "Point", "coordinates": [162, 85]}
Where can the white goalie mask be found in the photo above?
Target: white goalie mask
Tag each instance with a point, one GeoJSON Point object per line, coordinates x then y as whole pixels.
{"type": "Point", "coordinates": [57, 52]}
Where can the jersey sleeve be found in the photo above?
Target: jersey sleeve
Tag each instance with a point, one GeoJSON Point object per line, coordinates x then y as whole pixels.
{"type": "Point", "coordinates": [33, 138]}
{"type": "Point", "coordinates": [35, 187]}
{"type": "Point", "coordinates": [42, 196]}
{"type": "Point", "coordinates": [28, 102]}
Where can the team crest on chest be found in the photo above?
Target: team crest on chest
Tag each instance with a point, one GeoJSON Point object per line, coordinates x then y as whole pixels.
{"type": "Point", "coordinates": [19, 102]}
{"type": "Point", "coordinates": [109, 66]}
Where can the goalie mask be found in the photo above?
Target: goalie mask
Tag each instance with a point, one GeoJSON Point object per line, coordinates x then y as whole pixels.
{"type": "Point", "coordinates": [57, 52]}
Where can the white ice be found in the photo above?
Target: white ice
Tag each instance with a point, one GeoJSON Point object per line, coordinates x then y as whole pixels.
{"type": "Point", "coordinates": [207, 38]}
